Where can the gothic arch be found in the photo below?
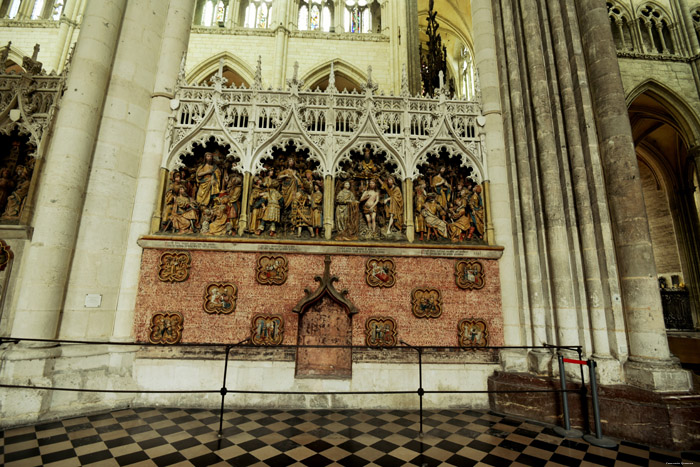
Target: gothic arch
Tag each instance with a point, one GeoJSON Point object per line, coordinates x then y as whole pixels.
{"type": "Point", "coordinates": [341, 67]}
{"type": "Point", "coordinates": [642, 5]}
{"type": "Point", "coordinates": [205, 68]}
{"type": "Point", "coordinates": [686, 118]}
{"type": "Point", "coordinates": [14, 55]}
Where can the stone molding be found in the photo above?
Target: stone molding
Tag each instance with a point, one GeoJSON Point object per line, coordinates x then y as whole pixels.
{"type": "Point", "coordinates": [328, 248]}
{"type": "Point", "coordinates": [342, 36]}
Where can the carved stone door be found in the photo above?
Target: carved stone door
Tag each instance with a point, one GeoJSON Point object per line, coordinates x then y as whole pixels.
{"type": "Point", "coordinates": [325, 323]}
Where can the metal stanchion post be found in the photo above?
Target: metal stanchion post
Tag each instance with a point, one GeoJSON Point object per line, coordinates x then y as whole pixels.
{"type": "Point", "coordinates": [223, 393]}
{"type": "Point", "coordinates": [598, 439]}
{"type": "Point", "coordinates": [567, 431]}
{"type": "Point", "coordinates": [421, 392]}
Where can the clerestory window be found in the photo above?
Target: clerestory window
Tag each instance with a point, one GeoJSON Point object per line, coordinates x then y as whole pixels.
{"type": "Point", "coordinates": [358, 15]}
{"type": "Point", "coordinates": [315, 15]}
{"type": "Point", "coordinates": [257, 14]}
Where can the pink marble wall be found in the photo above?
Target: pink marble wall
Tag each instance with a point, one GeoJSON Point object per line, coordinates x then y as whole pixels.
{"type": "Point", "coordinates": [395, 302]}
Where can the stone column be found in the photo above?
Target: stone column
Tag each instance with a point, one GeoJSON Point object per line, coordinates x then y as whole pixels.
{"type": "Point", "coordinates": [245, 196]}
{"type": "Point", "coordinates": [689, 27]}
{"type": "Point", "coordinates": [25, 10]}
{"type": "Point", "coordinates": [328, 205]}
{"type": "Point", "coordinates": [151, 178]}
{"type": "Point", "coordinates": [649, 365]}
{"type": "Point", "coordinates": [408, 209]}
{"type": "Point", "coordinates": [514, 95]}
{"type": "Point", "coordinates": [486, 62]}
{"type": "Point", "coordinates": [65, 175]}
{"type": "Point", "coordinates": [281, 41]}
{"type": "Point", "coordinates": [412, 39]}
{"type": "Point", "coordinates": [63, 40]}
{"type": "Point", "coordinates": [557, 239]}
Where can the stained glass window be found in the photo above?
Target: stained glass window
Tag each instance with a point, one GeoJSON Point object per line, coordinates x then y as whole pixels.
{"type": "Point", "coordinates": [220, 12]}
{"type": "Point", "coordinates": [257, 14]}
{"type": "Point", "coordinates": [315, 19]}
{"type": "Point", "coordinates": [358, 17]}
{"type": "Point", "coordinates": [315, 15]}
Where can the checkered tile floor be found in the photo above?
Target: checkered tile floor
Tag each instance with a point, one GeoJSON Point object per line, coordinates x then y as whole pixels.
{"type": "Point", "coordinates": [310, 437]}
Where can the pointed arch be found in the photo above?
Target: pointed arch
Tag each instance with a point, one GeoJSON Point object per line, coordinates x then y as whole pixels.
{"type": "Point", "coordinates": [14, 55]}
{"type": "Point", "coordinates": [210, 65]}
{"type": "Point", "coordinates": [340, 67]}
{"type": "Point", "coordinates": [686, 118]}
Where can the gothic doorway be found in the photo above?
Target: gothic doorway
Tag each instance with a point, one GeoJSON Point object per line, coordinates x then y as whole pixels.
{"type": "Point", "coordinates": [667, 171]}
{"type": "Point", "coordinates": [325, 319]}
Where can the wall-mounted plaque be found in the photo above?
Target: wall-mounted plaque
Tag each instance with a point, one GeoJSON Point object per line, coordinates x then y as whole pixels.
{"type": "Point", "coordinates": [380, 272]}
{"type": "Point", "coordinates": [271, 270]}
{"type": "Point", "coordinates": [174, 266]}
{"type": "Point", "coordinates": [426, 303]}
{"type": "Point", "coordinates": [267, 330]}
{"type": "Point", "coordinates": [469, 274]}
{"type": "Point", "coordinates": [380, 332]}
{"type": "Point", "coordinates": [166, 328]}
{"type": "Point", "coordinates": [220, 298]}
{"type": "Point", "coordinates": [473, 333]}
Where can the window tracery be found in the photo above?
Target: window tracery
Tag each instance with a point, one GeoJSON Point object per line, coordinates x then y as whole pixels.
{"type": "Point", "coordinates": [360, 16]}
{"type": "Point", "coordinates": [656, 35]}
{"type": "Point", "coordinates": [315, 15]}
{"type": "Point", "coordinates": [257, 14]}
{"type": "Point", "coordinates": [619, 23]}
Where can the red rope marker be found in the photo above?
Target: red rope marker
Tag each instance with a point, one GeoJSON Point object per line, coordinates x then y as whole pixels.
{"type": "Point", "coordinates": [579, 362]}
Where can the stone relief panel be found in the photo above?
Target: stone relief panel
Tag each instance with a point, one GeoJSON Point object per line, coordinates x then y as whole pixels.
{"type": "Point", "coordinates": [469, 275]}
{"type": "Point", "coordinates": [267, 330]}
{"type": "Point", "coordinates": [203, 195]}
{"type": "Point", "coordinates": [271, 270]}
{"type": "Point", "coordinates": [16, 171]}
{"type": "Point", "coordinates": [473, 333]}
{"type": "Point", "coordinates": [448, 203]}
{"type": "Point", "coordinates": [6, 255]}
{"type": "Point", "coordinates": [220, 298]}
{"type": "Point", "coordinates": [166, 328]}
{"type": "Point", "coordinates": [286, 197]}
{"type": "Point", "coordinates": [426, 303]}
{"type": "Point", "coordinates": [174, 266]}
{"type": "Point", "coordinates": [369, 200]}
{"type": "Point", "coordinates": [380, 272]}
{"type": "Point", "coordinates": [380, 332]}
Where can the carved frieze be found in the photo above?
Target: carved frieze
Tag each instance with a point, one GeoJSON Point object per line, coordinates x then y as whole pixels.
{"type": "Point", "coordinates": [174, 266]}
{"type": "Point", "coordinates": [271, 270]}
{"type": "Point", "coordinates": [469, 274]}
{"type": "Point", "coordinates": [473, 333]}
{"type": "Point", "coordinates": [267, 330]}
{"type": "Point", "coordinates": [220, 298]}
{"type": "Point", "coordinates": [426, 303]}
{"type": "Point", "coordinates": [380, 332]}
{"type": "Point", "coordinates": [380, 272]}
{"type": "Point", "coordinates": [166, 328]}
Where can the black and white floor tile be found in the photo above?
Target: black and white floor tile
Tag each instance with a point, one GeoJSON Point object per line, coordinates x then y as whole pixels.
{"type": "Point", "coordinates": [183, 437]}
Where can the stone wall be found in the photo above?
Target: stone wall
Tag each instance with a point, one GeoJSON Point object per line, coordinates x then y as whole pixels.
{"type": "Point", "coordinates": [395, 302]}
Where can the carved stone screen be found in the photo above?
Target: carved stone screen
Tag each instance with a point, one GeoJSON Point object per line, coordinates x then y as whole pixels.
{"type": "Point", "coordinates": [325, 323]}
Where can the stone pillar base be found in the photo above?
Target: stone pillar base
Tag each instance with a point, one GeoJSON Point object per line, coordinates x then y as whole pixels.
{"type": "Point", "coordinates": [627, 412]}
{"type": "Point", "coordinates": [540, 362]}
{"type": "Point", "coordinates": [70, 366]}
{"type": "Point", "coordinates": [658, 377]}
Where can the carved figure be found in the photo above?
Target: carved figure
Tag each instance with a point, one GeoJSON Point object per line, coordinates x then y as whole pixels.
{"type": "Point", "coordinates": [272, 270]}
{"type": "Point", "coordinates": [258, 200]}
{"type": "Point", "coordinates": [380, 272]}
{"type": "Point", "coordinates": [459, 212]}
{"type": "Point", "coordinates": [394, 202]}
{"type": "Point", "coordinates": [267, 330]}
{"type": "Point", "coordinates": [369, 201]}
{"type": "Point", "coordinates": [418, 203]}
{"type": "Point", "coordinates": [317, 208]}
{"type": "Point", "coordinates": [166, 328]}
{"type": "Point", "coordinates": [220, 298]}
{"type": "Point", "coordinates": [347, 214]}
{"type": "Point", "coordinates": [472, 333]}
{"type": "Point", "coordinates": [15, 201]}
{"type": "Point", "coordinates": [426, 303]}
{"type": "Point", "coordinates": [6, 185]}
{"type": "Point", "coordinates": [184, 217]}
{"type": "Point", "coordinates": [6, 256]}
{"type": "Point", "coordinates": [208, 180]}
{"type": "Point", "coordinates": [476, 206]}
{"type": "Point", "coordinates": [431, 211]}
{"type": "Point", "coordinates": [290, 182]}
{"type": "Point", "coordinates": [273, 210]}
{"type": "Point", "coordinates": [441, 188]}
{"type": "Point", "coordinates": [380, 332]}
{"type": "Point", "coordinates": [174, 266]}
{"type": "Point", "coordinates": [469, 275]}
{"type": "Point", "coordinates": [301, 213]}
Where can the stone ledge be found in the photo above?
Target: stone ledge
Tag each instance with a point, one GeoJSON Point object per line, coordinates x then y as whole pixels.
{"type": "Point", "coordinates": [326, 248]}
{"type": "Point", "coordinates": [665, 420]}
